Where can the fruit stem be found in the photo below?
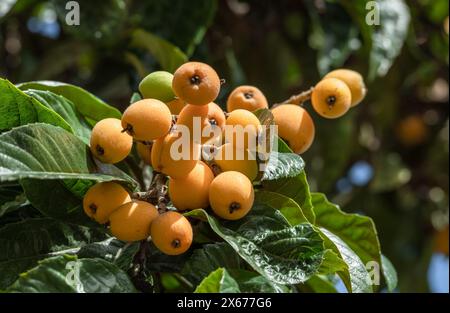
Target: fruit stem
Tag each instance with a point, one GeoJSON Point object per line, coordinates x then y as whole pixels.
{"type": "Point", "coordinates": [156, 194]}
{"type": "Point", "coordinates": [140, 258]}
{"type": "Point", "coordinates": [298, 99]}
{"type": "Point", "coordinates": [128, 129]}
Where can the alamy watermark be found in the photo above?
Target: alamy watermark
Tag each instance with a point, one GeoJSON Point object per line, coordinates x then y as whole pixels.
{"type": "Point", "coordinates": [373, 14]}
{"type": "Point", "coordinates": [73, 14]}
{"type": "Point", "coordinates": [73, 276]}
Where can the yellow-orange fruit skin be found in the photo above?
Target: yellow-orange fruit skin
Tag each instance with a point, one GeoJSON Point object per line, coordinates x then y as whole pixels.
{"type": "Point", "coordinates": [230, 158]}
{"type": "Point", "coordinates": [132, 220]}
{"type": "Point", "coordinates": [102, 199]}
{"type": "Point", "coordinates": [108, 143]}
{"type": "Point", "coordinates": [331, 98]}
{"type": "Point", "coordinates": [175, 106]}
{"type": "Point", "coordinates": [231, 195]}
{"type": "Point", "coordinates": [195, 118]}
{"type": "Point", "coordinates": [247, 98]}
{"type": "Point", "coordinates": [172, 233]}
{"type": "Point", "coordinates": [210, 119]}
{"type": "Point", "coordinates": [295, 126]}
{"type": "Point", "coordinates": [354, 81]}
{"type": "Point", "coordinates": [165, 162]}
{"type": "Point", "coordinates": [144, 150]}
{"type": "Point", "coordinates": [192, 191]}
{"type": "Point", "coordinates": [196, 83]}
{"type": "Point", "coordinates": [147, 119]}
{"type": "Point", "coordinates": [245, 137]}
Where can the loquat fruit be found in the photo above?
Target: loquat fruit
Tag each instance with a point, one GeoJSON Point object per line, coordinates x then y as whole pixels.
{"type": "Point", "coordinates": [132, 220]}
{"type": "Point", "coordinates": [147, 119]}
{"type": "Point", "coordinates": [157, 85]}
{"type": "Point", "coordinates": [196, 83]}
{"type": "Point", "coordinates": [231, 195]}
{"type": "Point", "coordinates": [248, 98]}
{"type": "Point", "coordinates": [242, 129]}
{"type": "Point", "coordinates": [144, 150]}
{"type": "Point", "coordinates": [174, 155]}
{"type": "Point", "coordinates": [108, 143]}
{"type": "Point", "coordinates": [295, 126]}
{"type": "Point", "coordinates": [195, 118]}
{"type": "Point", "coordinates": [176, 105]}
{"type": "Point", "coordinates": [102, 199]}
{"type": "Point", "coordinates": [331, 98]}
{"type": "Point", "coordinates": [192, 191]}
{"type": "Point", "coordinates": [354, 81]}
{"type": "Point", "coordinates": [216, 116]}
{"type": "Point", "coordinates": [230, 158]}
{"type": "Point", "coordinates": [171, 233]}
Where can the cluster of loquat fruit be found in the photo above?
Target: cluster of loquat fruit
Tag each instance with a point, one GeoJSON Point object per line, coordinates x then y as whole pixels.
{"type": "Point", "coordinates": [225, 184]}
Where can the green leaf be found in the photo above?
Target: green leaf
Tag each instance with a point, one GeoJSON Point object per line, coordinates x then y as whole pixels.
{"type": "Point", "coordinates": [53, 199]}
{"type": "Point", "coordinates": [91, 107]}
{"type": "Point", "coordinates": [357, 231]}
{"type": "Point", "coordinates": [283, 165]}
{"type": "Point", "coordinates": [42, 151]}
{"type": "Point", "coordinates": [280, 252]}
{"type": "Point", "coordinates": [17, 108]}
{"type": "Point", "coordinates": [389, 36]}
{"type": "Point", "coordinates": [264, 116]}
{"type": "Point", "coordinates": [359, 277]}
{"type": "Point", "coordinates": [318, 284]}
{"type": "Point", "coordinates": [288, 207]}
{"type": "Point", "coordinates": [68, 274]}
{"type": "Point", "coordinates": [167, 55]}
{"type": "Point", "coordinates": [332, 263]}
{"type": "Point", "coordinates": [389, 273]}
{"type": "Point", "coordinates": [282, 146]}
{"type": "Point", "coordinates": [24, 243]}
{"type": "Point", "coordinates": [251, 282]}
{"type": "Point", "coordinates": [65, 109]}
{"type": "Point", "coordinates": [210, 257]}
{"type": "Point", "coordinates": [112, 250]}
{"type": "Point", "coordinates": [297, 189]}
{"type": "Point", "coordinates": [135, 97]}
{"type": "Point", "coordinates": [218, 281]}
{"type": "Point", "coordinates": [51, 165]}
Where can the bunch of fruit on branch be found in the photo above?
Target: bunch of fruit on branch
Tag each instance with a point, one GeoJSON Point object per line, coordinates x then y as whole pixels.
{"type": "Point", "coordinates": [172, 109]}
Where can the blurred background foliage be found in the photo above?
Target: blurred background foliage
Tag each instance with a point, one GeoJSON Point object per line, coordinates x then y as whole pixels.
{"type": "Point", "coordinates": [388, 158]}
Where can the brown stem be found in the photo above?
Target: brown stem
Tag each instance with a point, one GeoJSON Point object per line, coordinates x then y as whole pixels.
{"type": "Point", "coordinates": [298, 99]}
{"type": "Point", "coordinates": [139, 258]}
{"type": "Point", "coordinates": [157, 193]}
{"type": "Point", "coordinates": [159, 183]}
